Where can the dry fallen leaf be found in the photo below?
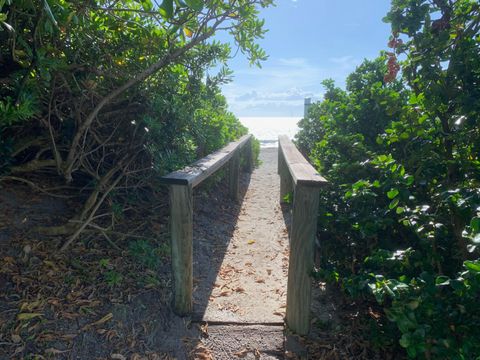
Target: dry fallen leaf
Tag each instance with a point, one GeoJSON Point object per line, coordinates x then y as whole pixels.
{"type": "Point", "coordinates": [118, 357]}
{"type": "Point", "coordinates": [103, 320]}
{"type": "Point", "coordinates": [202, 353]}
{"type": "Point", "coordinates": [290, 355]}
{"type": "Point", "coordinates": [204, 330]}
{"type": "Point", "coordinates": [31, 306]}
{"type": "Point", "coordinates": [28, 316]}
{"type": "Point", "coordinates": [53, 351]}
{"type": "Point", "coordinates": [16, 338]}
{"type": "Point", "coordinates": [242, 353]}
{"type": "Point", "coordinates": [250, 242]}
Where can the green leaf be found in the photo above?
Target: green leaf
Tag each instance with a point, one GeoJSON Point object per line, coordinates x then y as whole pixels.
{"type": "Point", "coordinates": [47, 9]}
{"type": "Point", "coordinates": [405, 340]}
{"type": "Point", "coordinates": [393, 204]}
{"type": "Point", "coordinates": [409, 179]}
{"type": "Point", "coordinates": [166, 9]}
{"type": "Point", "coordinates": [475, 224]}
{"type": "Point", "coordinates": [472, 265]}
{"type": "Point", "coordinates": [442, 280]}
{"type": "Point", "coordinates": [476, 239]}
{"type": "Point", "coordinates": [400, 210]}
{"type": "Point", "coordinates": [392, 193]}
{"type": "Point", "coordinates": [147, 5]}
{"type": "Point", "coordinates": [196, 5]}
{"type": "Point", "coordinates": [8, 26]}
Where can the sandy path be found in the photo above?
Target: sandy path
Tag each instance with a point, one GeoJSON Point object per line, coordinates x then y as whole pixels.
{"type": "Point", "coordinates": [240, 266]}
{"type": "Point", "coordinates": [251, 284]}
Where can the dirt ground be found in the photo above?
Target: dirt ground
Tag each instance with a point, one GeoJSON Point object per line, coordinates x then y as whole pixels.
{"type": "Point", "coordinates": [110, 298]}
{"type": "Point", "coordinates": [99, 302]}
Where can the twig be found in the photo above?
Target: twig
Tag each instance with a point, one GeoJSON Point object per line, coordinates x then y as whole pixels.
{"type": "Point", "coordinates": [92, 214]}
{"type": "Point", "coordinates": [110, 241]}
{"type": "Point", "coordinates": [36, 187]}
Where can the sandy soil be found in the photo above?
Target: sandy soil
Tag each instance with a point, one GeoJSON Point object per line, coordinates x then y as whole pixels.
{"type": "Point", "coordinates": [251, 282]}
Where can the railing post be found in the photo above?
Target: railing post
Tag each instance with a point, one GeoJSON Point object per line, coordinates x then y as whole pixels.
{"type": "Point", "coordinates": [181, 229]}
{"type": "Point", "coordinates": [286, 185]}
{"type": "Point", "coordinates": [234, 176]}
{"type": "Point", "coordinates": [301, 260]}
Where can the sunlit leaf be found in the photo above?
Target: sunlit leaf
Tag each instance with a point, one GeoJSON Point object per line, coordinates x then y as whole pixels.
{"type": "Point", "coordinates": [188, 32]}
{"type": "Point", "coordinates": [166, 9]}
{"type": "Point", "coordinates": [392, 193]}
{"type": "Point", "coordinates": [472, 265]}
{"type": "Point", "coordinates": [196, 5]}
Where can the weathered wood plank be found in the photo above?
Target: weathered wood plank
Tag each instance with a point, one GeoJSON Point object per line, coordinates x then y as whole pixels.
{"type": "Point", "coordinates": [234, 177]}
{"type": "Point", "coordinates": [297, 174]}
{"type": "Point", "coordinates": [249, 155]}
{"type": "Point", "coordinates": [286, 185]}
{"type": "Point", "coordinates": [181, 228]}
{"type": "Point", "coordinates": [301, 260]}
{"type": "Point", "coordinates": [300, 169]}
{"type": "Point", "coordinates": [203, 168]}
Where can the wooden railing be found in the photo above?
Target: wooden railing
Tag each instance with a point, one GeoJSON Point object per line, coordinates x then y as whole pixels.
{"type": "Point", "coordinates": [297, 175]}
{"type": "Point", "coordinates": [181, 185]}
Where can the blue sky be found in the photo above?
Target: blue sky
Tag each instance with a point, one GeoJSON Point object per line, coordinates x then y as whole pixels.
{"type": "Point", "coordinates": [307, 41]}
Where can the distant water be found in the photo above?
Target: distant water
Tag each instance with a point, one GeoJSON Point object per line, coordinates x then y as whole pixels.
{"type": "Point", "coordinates": [267, 129]}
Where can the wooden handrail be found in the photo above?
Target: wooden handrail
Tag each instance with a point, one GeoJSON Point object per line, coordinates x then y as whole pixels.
{"type": "Point", "coordinates": [301, 171]}
{"type": "Point", "coordinates": [181, 184]}
{"type": "Point", "coordinates": [297, 175]}
{"type": "Point", "coordinates": [200, 170]}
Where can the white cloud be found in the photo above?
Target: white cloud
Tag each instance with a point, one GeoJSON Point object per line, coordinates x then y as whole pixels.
{"type": "Point", "coordinates": [280, 87]}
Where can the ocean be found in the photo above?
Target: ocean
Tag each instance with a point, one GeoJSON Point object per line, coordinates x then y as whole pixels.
{"type": "Point", "coordinates": [267, 129]}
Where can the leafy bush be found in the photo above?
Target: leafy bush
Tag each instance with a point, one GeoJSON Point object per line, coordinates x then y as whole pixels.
{"type": "Point", "coordinates": [110, 96]}
{"type": "Point", "coordinates": [400, 224]}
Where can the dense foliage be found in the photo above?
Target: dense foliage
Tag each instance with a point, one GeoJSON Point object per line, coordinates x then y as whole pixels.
{"type": "Point", "coordinates": [108, 95]}
{"type": "Point", "coordinates": [400, 222]}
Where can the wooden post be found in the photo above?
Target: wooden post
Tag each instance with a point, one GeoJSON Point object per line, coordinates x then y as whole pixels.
{"type": "Point", "coordinates": [249, 155]}
{"type": "Point", "coordinates": [181, 229]}
{"type": "Point", "coordinates": [234, 176]}
{"type": "Point", "coordinates": [286, 185]}
{"type": "Point", "coordinates": [302, 246]}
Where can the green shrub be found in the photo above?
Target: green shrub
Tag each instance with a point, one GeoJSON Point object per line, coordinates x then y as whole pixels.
{"type": "Point", "coordinates": [399, 222]}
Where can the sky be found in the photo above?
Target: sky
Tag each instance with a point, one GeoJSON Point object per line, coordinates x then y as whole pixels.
{"type": "Point", "coordinates": [307, 41]}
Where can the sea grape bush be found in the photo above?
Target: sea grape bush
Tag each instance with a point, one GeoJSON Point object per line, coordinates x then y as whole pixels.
{"type": "Point", "coordinates": [400, 223]}
{"type": "Point", "coordinates": [110, 95]}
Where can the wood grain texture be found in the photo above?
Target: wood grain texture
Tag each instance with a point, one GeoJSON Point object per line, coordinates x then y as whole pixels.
{"type": "Point", "coordinates": [181, 228]}
{"type": "Point", "coordinates": [203, 168]}
{"type": "Point", "coordinates": [300, 169]}
{"type": "Point", "coordinates": [234, 177]}
{"type": "Point", "coordinates": [302, 246]}
{"type": "Point", "coordinates": [286, 185]}
{"type": "Point", "coordinates": [249, 162]}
